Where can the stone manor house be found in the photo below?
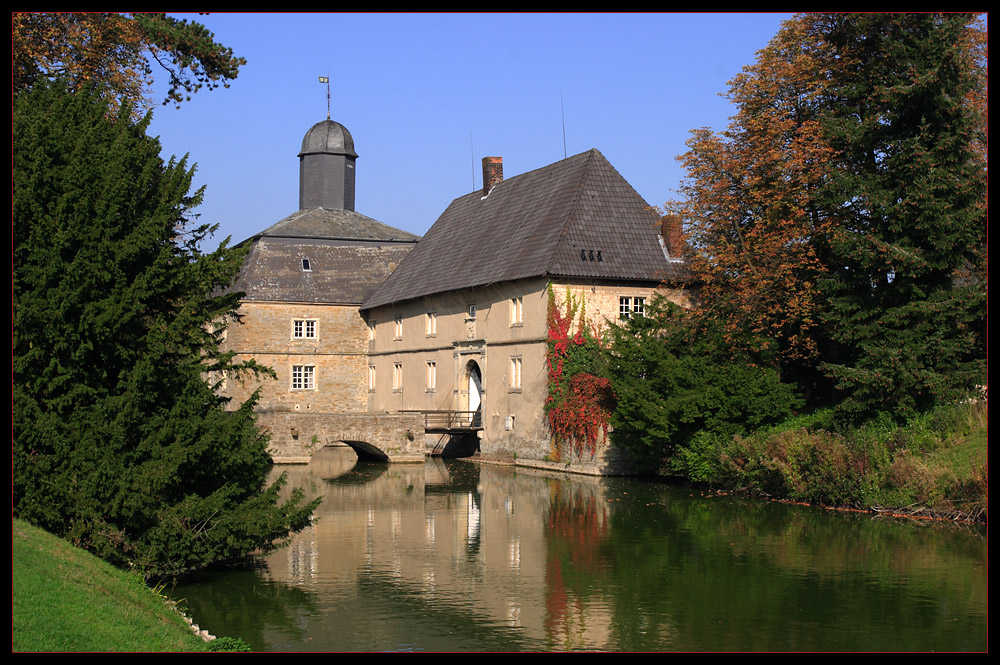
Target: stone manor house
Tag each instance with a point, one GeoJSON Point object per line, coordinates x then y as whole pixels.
{"type": "Point", "coordinates": [377, 336]}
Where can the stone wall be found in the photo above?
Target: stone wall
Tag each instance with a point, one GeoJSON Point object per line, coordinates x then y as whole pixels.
{"type": "Point", "coordinates": [335, 352]}
{"type": "Point", "coordinates": [296, 436]}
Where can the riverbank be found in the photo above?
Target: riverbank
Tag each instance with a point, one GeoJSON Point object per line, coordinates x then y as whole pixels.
{"type": "Point", "coordinates": [65, 599]}
{"type": "Point", "coordinates": [932, 466]}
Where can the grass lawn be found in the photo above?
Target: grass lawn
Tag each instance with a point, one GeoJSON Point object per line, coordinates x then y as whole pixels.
{"type": "Point", "coordinates": [68, 600]}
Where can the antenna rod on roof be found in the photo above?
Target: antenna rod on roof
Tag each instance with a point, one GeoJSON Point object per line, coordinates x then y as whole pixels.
{"type": "Point", "coordinates": [326, 79]}
{"type": "Point", "coordinates": [562, 112]}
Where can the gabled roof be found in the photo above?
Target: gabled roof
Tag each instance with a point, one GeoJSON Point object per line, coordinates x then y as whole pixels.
{"type": "Point", "coordinates": [576, 218]}
{"type": "Point", "coordinates": [335, 224]}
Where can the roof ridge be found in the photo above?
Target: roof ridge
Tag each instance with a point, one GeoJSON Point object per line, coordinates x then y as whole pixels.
{"type": "Point", "coordinates": [535, 224]}
{"type": "Point", "coordinates": [571, 215]}
{"type": "Point", "coordinates": [332, 220]}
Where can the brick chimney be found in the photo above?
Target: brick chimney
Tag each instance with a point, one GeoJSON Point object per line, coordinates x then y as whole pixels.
{"type": "Point", "coordinates": [671, 228]}
{"type": "Point", "coordinates": [492, 173]}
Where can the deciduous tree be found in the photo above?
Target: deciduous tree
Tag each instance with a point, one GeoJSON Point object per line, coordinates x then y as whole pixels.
{"type": "Point", "coordinates": [838, 224]}
{"type": "Point", "coordinates": [751, 220]}
{"type": "Point", "coordinates": [118, 442]}
{"type": "Point", "coordinates": [116, 54]}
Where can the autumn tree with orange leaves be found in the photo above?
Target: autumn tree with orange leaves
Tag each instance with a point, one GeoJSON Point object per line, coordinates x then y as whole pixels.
{"type": "Point", "coordinates": [749, 204]}
{"type": "Point", "coordinates": [118, 54]}
{"type": "Point", "coordinates": [838, 225]}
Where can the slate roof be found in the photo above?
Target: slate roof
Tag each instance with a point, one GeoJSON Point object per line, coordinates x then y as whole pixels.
{"type": "Point", "coordinates": [577, 218]}
{"type": "Point", "coordinates": [349, 255]}
{"type": "Point", "coordinates": [341, 272]}
{"type": "Point", "coordinates": [335, 223]}
{"type": "Point", "coordinates": [328, 137]}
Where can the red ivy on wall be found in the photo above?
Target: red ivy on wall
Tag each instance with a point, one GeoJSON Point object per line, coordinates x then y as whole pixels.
{"type": "Point", "coordinates": [579, 404]}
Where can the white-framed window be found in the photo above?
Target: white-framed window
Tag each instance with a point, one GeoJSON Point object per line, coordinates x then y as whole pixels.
{"type": "Point", "coordinates": [515, 372]}
{"type": "Point", "coordinates": [516, 311]}
{"type": "Point", "coordinates": [303, 377]}
{"type": "Point", "coordinates": [371, 330]}
{"type": "Point", "coordinates": [431, 376]}
{"type": "Point", "coordinates": [371, 378]}
{"type": "Point", "coordinates": [398, 322]}
{"type": "Point", "coordinates": [628, 305]}
{"type": "Point", "coordinates": [306, 266]}
{"type": "Point", "coordinates": [624, 307]}
{"type": "Point", "coordinates": [397, 376]}
{"type": "Point", "coordinates": [304, 328]}
{"type": "Point", "coordinates": [431, 323]}
{"type": "Point", "coordinates": [472, 310]}
{"type": "Point", "coordinates": [509, 423]}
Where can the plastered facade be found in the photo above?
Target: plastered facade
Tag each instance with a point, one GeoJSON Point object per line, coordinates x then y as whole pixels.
{"type": "Point", "coordinates": [422, 352]}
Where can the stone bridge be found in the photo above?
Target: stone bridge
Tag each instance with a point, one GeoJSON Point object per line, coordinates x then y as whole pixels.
{"type": "Point", "coordinates": [387, 437]}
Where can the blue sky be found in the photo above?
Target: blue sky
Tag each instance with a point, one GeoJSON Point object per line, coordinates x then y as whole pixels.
{"type": "Point", "coordinates": [427, 96]}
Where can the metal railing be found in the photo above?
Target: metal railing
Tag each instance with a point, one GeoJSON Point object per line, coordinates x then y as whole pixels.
{"type": "Point", "coordinates": [446, 421]}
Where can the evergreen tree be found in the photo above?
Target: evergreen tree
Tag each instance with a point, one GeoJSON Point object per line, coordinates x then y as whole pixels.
{"type": "Point", "coordinates": [906, 197]}
{"type": "Point", "coordinates": [118, 442]}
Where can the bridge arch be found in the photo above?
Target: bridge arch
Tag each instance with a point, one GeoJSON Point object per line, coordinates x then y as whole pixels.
{"type": "Point", "coordinates": [366, 451]}
{"type": "Point", "coordinates": [386, 437]}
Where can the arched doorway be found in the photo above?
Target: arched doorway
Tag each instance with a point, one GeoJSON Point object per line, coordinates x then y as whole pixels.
{"type": "Point", "coordinates": [474, 400]}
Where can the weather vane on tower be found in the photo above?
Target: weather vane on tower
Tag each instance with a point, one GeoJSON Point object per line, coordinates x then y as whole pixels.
{"type": "Point", "coordinates": [326, 79]}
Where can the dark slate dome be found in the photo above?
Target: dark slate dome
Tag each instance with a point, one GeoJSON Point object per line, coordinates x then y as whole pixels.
{"type": "Point", "coordinates": [330, 138]}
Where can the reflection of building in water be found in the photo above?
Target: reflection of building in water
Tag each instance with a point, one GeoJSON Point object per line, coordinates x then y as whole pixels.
{"type": "Point", "coordinates": [484, 546]}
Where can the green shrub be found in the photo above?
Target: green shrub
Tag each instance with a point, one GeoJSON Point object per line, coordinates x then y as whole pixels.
{"type": "Point", "coordinates": [229, 644]}
{"type": "Point", "coordinates": [673, 381]}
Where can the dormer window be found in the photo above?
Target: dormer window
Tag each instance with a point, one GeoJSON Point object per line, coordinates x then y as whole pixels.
{"type": "Point", "coordinates": [305, 266]}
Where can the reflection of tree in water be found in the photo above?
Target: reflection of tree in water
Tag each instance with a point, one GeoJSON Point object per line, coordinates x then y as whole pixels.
{"type": "Point", "coordinates": [576, 530]}
{"type": "Point", "coordinates": [706, 571]}
{"type": "Point", "coordinates": [463, 476]}
{"type": "Point", "coordinates": [246, 598]}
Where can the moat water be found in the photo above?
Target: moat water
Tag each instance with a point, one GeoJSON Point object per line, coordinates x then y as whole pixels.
{"type": "Point", "coordinates": [460, 556]}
